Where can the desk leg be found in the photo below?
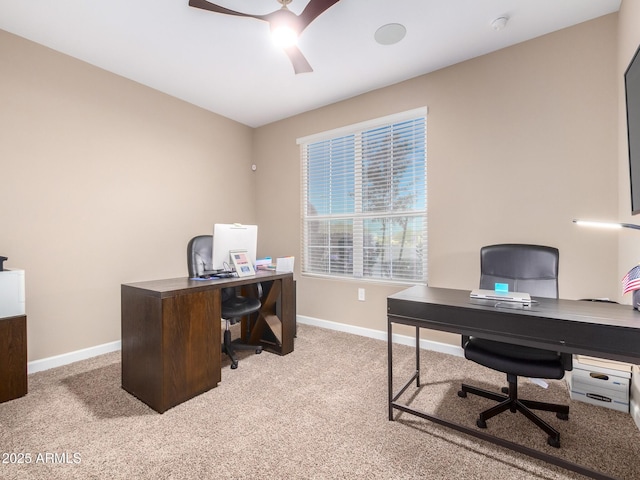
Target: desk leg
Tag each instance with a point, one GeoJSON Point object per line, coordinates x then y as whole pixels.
{"type": "Point", "coordinates": [417, 357]}
{"type": "Point", "coordinates": [274, 328]}
{"type": "Point", "coordinates": [416, 373]}
{"type": "Point", "coordinates": [390, 367]}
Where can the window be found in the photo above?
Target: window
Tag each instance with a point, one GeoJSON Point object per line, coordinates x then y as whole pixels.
{"type": "Point", "coordinates": [364, 200]}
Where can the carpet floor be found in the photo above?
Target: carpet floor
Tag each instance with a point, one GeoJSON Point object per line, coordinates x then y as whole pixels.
{"type": "Point", "coordinates": [317, 413]}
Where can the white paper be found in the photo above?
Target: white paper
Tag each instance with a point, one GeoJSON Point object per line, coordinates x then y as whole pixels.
{"type": "Point", "coordinates": [284, 264]}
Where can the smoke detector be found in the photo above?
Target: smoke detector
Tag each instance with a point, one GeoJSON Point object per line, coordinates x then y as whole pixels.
{"type": "Point", "coordinates": [499, 23]}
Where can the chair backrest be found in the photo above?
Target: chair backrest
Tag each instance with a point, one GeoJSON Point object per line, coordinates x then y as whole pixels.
{"type": "Point", "coordinates": [199, 255]}
{"type": "Point", "coordinates": [526, 268]}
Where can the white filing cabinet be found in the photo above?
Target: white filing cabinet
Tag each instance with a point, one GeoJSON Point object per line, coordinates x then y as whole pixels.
{"type": "Point", "coordinates": [12, 301]}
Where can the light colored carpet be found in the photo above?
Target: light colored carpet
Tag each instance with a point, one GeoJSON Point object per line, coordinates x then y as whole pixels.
{"type": "Point", "coordinates": [317, 413]}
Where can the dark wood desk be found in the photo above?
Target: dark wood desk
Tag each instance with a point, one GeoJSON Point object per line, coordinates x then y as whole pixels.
{"type": "Point", "coordinates": [13, 357]}
{"type": "Point", "coordinates": [599, 329]}
{"type": "Point", "coordinates": [171, 342]}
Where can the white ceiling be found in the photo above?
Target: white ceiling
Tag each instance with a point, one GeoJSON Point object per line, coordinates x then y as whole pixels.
{"type": "Point", "coordinates": [229, 66]}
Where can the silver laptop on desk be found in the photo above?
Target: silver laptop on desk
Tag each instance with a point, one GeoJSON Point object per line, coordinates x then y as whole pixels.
{"type": "Point", "coordinates": [516, 297]}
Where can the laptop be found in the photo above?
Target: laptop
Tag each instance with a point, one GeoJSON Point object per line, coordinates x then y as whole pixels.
{"type": "Point", "coordinates": [516, 297]}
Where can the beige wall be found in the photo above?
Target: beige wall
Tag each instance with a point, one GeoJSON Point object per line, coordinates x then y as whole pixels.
{"type": "Point", "coordinates": [103, 182]}
{"type": "Point", "coordinates": [528, 132]}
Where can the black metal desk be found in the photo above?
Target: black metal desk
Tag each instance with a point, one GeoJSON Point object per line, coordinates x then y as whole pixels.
{"type": "Point", "coordinates": [602, 330]}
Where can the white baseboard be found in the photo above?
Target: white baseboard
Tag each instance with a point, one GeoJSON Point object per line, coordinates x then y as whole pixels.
{"type": "Point", "coordinates": [71, 357]}
{"type": "Point", "coordinates": [380, 335]}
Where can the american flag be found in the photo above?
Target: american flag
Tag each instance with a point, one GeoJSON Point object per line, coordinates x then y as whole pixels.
{"type": "Point", "coordinates": [631, 280]}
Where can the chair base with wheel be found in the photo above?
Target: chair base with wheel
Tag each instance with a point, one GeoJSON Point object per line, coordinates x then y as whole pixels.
{"type": "Point", "coordinates": [234, 307]}
{"type": "Point", "coordinates": [514, 404]}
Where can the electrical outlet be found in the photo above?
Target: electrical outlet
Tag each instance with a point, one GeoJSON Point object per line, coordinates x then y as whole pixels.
{"type": "Point", "coordinates": [361, 294]}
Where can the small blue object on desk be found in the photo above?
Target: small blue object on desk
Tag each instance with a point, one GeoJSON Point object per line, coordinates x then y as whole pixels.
{"type": "Point", "coordinates": [502, 287]}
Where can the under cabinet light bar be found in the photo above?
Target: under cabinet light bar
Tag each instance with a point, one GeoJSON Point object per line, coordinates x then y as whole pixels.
{"type": "Point", "coordinates": [612, 225]}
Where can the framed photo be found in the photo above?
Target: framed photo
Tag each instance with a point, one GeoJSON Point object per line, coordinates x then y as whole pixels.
{"type": "Point", "coordinates": [241, 263]}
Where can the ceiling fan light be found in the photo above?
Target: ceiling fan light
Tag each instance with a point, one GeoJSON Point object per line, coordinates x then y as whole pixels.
{"type": "Point", "coordinates": [284, 36]}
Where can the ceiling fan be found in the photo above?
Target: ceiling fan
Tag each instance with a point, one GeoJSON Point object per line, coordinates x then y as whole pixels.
{"type": "Point", "coordinates": [282, 22]}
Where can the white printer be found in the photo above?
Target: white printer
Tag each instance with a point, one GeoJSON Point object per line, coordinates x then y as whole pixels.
{"type": "Point", "coordinates": [12, 297]}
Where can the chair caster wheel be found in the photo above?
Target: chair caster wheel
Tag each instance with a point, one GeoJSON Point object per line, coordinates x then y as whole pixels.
{"type": "Point", "coordinates": [462, 394]}
{"type": "Point", "coordinates": [481, 423]}
{"type": "Point", "coordinates": [234, 366]}
{"type": "Point", "coordinates": [562, 416]}
{"type": "Point", "coordinates": [554, 442]}
{"type": "Point", "coordinates": [505, 390]}
{"type": "Point", "coordinates": [258, 350]}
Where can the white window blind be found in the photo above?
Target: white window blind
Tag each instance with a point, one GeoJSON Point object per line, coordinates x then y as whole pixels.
{"type": "Point", "coordinates": [364, 200]}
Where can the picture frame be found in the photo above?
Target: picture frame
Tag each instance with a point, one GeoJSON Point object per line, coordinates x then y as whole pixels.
{"type": "Point", "coordinates": [241, 263]}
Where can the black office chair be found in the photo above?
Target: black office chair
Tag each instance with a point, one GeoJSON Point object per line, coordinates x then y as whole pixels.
{"type": "Point", "coordinates": [234, 306]}
{"type": "Point", "coordinates": [530, 269]}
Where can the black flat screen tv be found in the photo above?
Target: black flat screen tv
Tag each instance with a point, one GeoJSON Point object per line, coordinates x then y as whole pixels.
{"type": "Point", "coordinates": [632, 91]}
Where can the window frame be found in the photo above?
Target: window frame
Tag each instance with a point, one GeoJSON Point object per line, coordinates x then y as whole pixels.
{"type": "Point", "coordinates": [358, 215]}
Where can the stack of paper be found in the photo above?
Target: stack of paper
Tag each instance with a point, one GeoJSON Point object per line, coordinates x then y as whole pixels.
{"type": "Point", "coordinates": [284, 264]}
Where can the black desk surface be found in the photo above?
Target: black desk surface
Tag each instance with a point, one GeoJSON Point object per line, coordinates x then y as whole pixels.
{"type": "Point", "coordinates": [604, 330]}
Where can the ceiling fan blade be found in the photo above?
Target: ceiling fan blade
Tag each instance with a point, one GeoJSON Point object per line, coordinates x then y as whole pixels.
{"type": "Point", "coordinates": [218, 9]}
{"type": "Point", "coordinates": [313, 10]}
{"type": "Point", "coordinates": [300, 64]}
